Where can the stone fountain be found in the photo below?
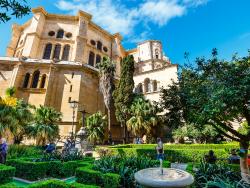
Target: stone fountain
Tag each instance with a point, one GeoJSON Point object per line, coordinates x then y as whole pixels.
{"type": "Point", "coordinates": [164, 177]}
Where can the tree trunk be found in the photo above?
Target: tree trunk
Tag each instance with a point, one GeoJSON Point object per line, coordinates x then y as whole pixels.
{"type": "Point", "coordinates": [243, 162]}
{"type": "Point", "coordinates": [125, 132]}
{"type": "Point", "coordinates": [109, 128]}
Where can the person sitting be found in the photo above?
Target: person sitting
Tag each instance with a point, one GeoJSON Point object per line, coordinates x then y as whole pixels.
{"type": "Point", "coordinates": [210, 157]}
{"type": "Point", "coordinates": [50, 147]}
{"type": "Point", "coordinates": [233, 158]}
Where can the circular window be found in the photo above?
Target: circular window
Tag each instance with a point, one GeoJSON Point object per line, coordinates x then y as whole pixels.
{"type": "Point", "coordinates": [69, 35]}
{"type": "Point", "coordinates": [93, 42]}
{"type": "Point", "coordinates": [105, 49]}
{"type": "Point", "coordinates": [51, 33]}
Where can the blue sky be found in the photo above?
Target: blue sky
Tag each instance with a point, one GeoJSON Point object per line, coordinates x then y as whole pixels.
{"type": "Point", "coordinates": [195, 26]}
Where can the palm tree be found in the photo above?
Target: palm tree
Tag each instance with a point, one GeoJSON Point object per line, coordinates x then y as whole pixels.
{"type": "Point", "coordinates": [106, 70]}
{"type": "Point", "coordinates": [23, 116]}
{"type": "Point", "coordinates": [6, 119]}
{"type": "Point", "coordinates": [45, 126]}
{"type": "Point", "coordinates": [96, 125]}
{"type": "Point", "coordinates": [143, 116]}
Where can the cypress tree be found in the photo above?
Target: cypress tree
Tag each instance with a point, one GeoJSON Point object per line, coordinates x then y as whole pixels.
{"type": "Point", "coordinates": [123, 94]}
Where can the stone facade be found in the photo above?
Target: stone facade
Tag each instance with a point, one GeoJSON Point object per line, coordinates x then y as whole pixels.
{"type": "Point", "coordinates": [51, 60]}
{"type": "Point", "coordinates": [153, 70]}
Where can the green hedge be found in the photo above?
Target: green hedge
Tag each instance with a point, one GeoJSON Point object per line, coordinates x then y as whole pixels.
{"type": "Point", "coordinates": [86, 175]}
{"type": "Point", "coordinates": [58, 169]}
{"type": "Point", "coordinates": [38, 170]}
{"type": "Point", "coordinates": [180, 146]}
{"type": "Point", "coordinates": [111, 180]}
{"type": "Point", "coordinates": [29, 170]}
{"type": "Point", "coordinates": [6, 173]}
{"type": "Point", "coordinates": [59, 184]}
{"type": "Point", "coordinates": [172, 155]}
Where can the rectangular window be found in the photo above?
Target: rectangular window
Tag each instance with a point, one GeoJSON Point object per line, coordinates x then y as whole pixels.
{"type": "Point", "coordinates": [69, 99]}
{"type": "Point", "coordinates": [72, 75]}
{"type": "Point", "coordinates": [70, 90]}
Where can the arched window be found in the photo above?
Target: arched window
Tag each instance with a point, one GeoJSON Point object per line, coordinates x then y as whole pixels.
{"type": "Point", "coordinates": [65, 55]}
{"type": "Point", "coordinates": [57, 51]}
{"type": "Point", "coordinates": [154, 85]}
{"type": "Point", "coordinates": [60, 34]}
{"type": "Point", "coordinates": [99, 45]}
{"type": "Point", "coordinates": [43, 81]}
{"type": "Point", "coordinates": [98, 59]}
{"type": "Point", "coordinates": [147, 87]}
{"type": "Point", "coordinates": [157, 54]}
{"type": "Point", "coordinates": [139, 88]}
{"type": "Point", "coordinates": [35, 79]}
{"type": "Point", "coordinates": [26, 80]}
{"type": "Point", "coordinates": [91, 58]}
{"type": "Point", "coordinates": [47, 51]}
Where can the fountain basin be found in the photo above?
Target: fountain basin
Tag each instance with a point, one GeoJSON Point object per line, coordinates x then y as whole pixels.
{"type": "Point", "coordinates": [171, 177]}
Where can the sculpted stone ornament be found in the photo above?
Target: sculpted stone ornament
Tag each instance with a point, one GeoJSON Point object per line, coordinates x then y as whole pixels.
{"type": "Point", "coordinates": [153, 177]}
{"type": "Point", "coordinates": [163, 177]}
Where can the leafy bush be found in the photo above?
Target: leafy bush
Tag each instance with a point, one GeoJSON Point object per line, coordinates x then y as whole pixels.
{"type": "Point", "coordinates": [216, 173]}
{"type": "Point", "coordinates": [125, 167]}
{"type": "Point", "coordinates": [29, 170]}
{"type": "Point", "coordinates": [20, 151]}
{"type": "Point", "coordinates": [6, 173]}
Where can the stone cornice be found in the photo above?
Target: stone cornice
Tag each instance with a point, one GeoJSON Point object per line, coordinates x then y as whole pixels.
{"type": "Point", "coordinates": [156, 70]}
{"type": "Point", "coordinates": [48, 63]}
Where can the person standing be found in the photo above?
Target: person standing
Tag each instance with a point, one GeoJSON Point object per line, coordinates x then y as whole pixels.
{"type": "Point", "coordinates": [160, 152]}
{"type": "Point", "coordinates": [3, 150]}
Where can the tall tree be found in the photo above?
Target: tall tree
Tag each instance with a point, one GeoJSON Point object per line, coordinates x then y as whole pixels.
{"type": "Point", "coordinates": [107, 71]}
{"type": "Point", "coordinates": [216, 92]}
{"type": "Point", "coordinates": [96, 125]}
{"type": "Point", "coordinates": [143, 116]}
{"type": "Point", "coordinates": [23, 117]}
{"type": "Point", "coordinates": [45, 126]}
{"type": "Point", "coordinates": [13, 8]}
{"type": "Point", "coordinates": [123, 94]}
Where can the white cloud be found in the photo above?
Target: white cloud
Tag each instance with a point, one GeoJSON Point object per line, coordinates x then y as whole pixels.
{"type": "Point", "coordinates": [117, 17]}
{"type": "Point", "coordinates": [160, 12]}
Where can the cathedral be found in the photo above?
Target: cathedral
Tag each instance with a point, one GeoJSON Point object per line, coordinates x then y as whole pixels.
{"type": "Point", "coordinates": [51, 60]}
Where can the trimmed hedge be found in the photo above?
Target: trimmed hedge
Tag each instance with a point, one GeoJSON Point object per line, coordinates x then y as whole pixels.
{"type": "Point", "coordinates": [89, 176]}
{"type": "Point", "coordinates": [111, 180]}
{"type": "Point", "coordinates": [180, 146]}
{"type": "Point", "coordinates": [86, 175]}
{"type": "Point", "coordinates": [29, 170]}
{"type": "Point", "coordinates": [6, 173]}
{"type": "Point", "coordinates": [58, 169]}
{"type": "Point", "coordinates": [172, 155]}
{"type": "Point", "coordinates": [59, 184]}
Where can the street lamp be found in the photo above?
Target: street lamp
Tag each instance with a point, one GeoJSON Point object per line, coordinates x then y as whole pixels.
{"type": "Point", "coordinates": [73, 105]}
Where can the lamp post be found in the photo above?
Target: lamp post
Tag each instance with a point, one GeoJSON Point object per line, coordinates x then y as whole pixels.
{"type": "Point", "coordinates": [73, 105]}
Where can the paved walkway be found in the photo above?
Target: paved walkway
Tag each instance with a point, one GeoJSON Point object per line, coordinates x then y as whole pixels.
{"type": "Point", "coordinates": [181, 166]}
